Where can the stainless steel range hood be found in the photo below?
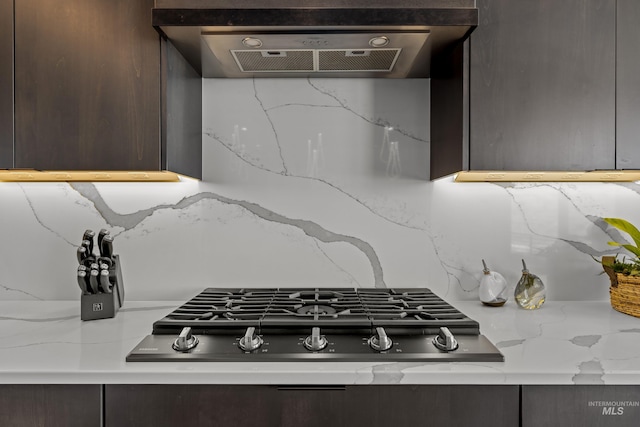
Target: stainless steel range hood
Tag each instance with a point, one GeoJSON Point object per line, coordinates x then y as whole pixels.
{"type": "Point", "coordinates": [320, 38]}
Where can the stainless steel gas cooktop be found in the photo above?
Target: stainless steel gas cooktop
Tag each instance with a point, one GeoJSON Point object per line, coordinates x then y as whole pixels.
{"type": "Point", "coordinates": [325, 324]}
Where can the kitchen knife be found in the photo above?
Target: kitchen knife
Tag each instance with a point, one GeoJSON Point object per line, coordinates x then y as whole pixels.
{"type": "Point", "coordinates": [106, 248]}
{"type": "Point", "coordinates": [104, 261]}
{"type": "Point", "coordinates": [82, 282]}
{"type": "Point", "coordinates": [93, 281]}
{"type": "Point", "coordinates": [105, 285]}
{"type": "Point", "coordinates": [89, 235]}
{"type": "Point", "coordinates": [101, 235]}
{"type": "Point", "coordinates": [87, 244]}
{"type": "Point", "coordinates": [82, 254]}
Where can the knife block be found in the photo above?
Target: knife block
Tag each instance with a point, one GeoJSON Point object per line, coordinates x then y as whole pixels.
{"type": "Point", "coordinates": [103, 305]}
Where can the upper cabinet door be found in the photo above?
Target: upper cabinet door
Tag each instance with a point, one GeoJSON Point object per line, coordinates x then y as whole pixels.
{"type": "Point", "coordinates": [628, 85]}
{"type": "Point", "coordinates": [542, 85]}
{"type": "Point", "coordinates": [6, 83]}
{"type": "Point", "coordinates": [87, 86]}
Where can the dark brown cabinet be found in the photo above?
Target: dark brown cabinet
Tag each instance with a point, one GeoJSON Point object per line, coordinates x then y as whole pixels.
{"type": "Point", "coordinates": [580, 405]}
{"type": "Point", "coordinates": [321, 406]}
{"type": "Point", "coordinates": [542, 86]}
{"type": "Point", "coordinates": [91, 80]}
{"type": "Point", "coordinates": [50, 405]}
{"type": "Point", "coordinates": [628, 85]}
{"type": "Point", "coordinates": [6, 83]}
{"type": "Point", "coordinates": [87, 85]}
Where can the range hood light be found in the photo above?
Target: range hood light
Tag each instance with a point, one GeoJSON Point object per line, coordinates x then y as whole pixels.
{"type": "Point", "coordinates": [379, 41]}
{"type": "Point", "coordinates": [252, 42]}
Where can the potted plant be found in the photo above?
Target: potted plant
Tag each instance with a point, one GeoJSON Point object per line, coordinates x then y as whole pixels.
{"type": "Point", "coordinates": [624, 273]}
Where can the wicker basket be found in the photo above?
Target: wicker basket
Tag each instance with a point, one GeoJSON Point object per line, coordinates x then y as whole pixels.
{"type": "Point", "coordinates": [624, 290]}
{"type": "Point", "coordinates": [625, 295]}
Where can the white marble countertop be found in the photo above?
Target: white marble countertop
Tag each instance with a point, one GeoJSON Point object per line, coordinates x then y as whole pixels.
{"type": "Point", "coordinates": [562, 343]}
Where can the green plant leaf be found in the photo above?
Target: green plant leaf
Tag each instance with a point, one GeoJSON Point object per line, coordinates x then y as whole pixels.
{"type": "Point", "coordinates": [633, 249]}
{"type": "Point", "coordinates": [625, 226]}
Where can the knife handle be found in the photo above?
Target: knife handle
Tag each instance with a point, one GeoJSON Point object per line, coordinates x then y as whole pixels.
{"type": "Point", "coordinates": [81, 253]}
{"type": "Point", "coordinates": [101, 234]}
{"type": "Point", "coordinates": [105, 261]}
{"type": "Point", "coordinates": [106, 248]}
{"type": "Point", "coordinates": [89, 245]}
{"type": "Point", "coordinates": [89, 235]}
{"type": "Point", "coordinates": [82, 282]}
{"type": "Point", "coordinates": [93, 281]}
{"type": "Point", "coordinates": [105, 285]}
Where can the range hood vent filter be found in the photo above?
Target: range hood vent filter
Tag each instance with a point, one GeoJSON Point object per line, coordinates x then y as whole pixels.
{"type": "Point", "coordinates": [261, 61]}
{"type": "Point", "coordinates": [317, 54]}
{"type": "Point", "coordinates": [321, 60]}
{"type": "Point", "coordinates": [357, 60]}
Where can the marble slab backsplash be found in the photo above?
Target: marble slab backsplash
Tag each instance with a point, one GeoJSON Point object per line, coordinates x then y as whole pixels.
{"type": "Point", "coordinates": [313, 183]}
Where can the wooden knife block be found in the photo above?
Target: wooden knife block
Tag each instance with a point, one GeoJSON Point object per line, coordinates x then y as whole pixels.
{"type": "Point", "coordinates": [103, 305]}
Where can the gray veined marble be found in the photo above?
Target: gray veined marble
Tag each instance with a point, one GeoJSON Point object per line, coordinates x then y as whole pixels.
{"type": "Point", "coordinates": [45, 342]}
{"type": "Point", "coordinates": [314, 183]}
{"type": "Point", "coordinates": [19, 292]}
{"type": "Point", "coordinates": [631, 331]}
{"type": "Point", "coordinates": [589, 373]}
{"type": "Point", "coordinates": [586, 340]}
{"type": "Point", "coordinates": [311, 229]}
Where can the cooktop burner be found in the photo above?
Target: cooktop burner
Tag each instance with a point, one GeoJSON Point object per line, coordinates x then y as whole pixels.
{"type": "Point", "coordinates": [222, 324]}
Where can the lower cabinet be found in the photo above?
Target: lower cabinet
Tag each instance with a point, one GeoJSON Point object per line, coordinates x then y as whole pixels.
{"type": "Point", "coordinates": [26, 405]}
{"type": "Point", "coordinates": [70, 405]}
{"type": "Point", "coordinates": [311, 406]}
{"type": "Point", "coordinates": [581, 405]}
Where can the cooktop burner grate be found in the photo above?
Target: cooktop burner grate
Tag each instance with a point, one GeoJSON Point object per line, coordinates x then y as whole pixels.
{"type": "Point", "coordinates": [324, 324]}
{"type": "Point", "coordinates": [402, 311]}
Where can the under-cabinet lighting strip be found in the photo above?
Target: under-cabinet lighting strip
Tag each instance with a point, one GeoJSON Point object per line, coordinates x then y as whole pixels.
{"type": "Point", "coordinates": [549, 176]}
{"type": "Point", "coordinates": [29, 175]}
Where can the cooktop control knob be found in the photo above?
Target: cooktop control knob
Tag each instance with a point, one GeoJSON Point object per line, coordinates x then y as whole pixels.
{"type": "Point", "coordinates": [445, 340]}
{"type": "Point", "coordinates": [185, 341]}
{"type": "Point", "coordinates": [380, 341]}
{"type": "Point", "coordinates": [315, 341]}
{"type": "Point", "coordinates": [251, 341]}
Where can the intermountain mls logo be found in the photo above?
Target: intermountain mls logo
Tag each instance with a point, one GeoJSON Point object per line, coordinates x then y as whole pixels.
{"type": "Point", "coordinates": [614, 407]}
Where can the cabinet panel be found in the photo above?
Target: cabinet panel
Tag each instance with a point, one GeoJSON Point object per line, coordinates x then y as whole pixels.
{"type": "Point", "coordinates": [6, 83]}
{"type": "Point", "coordinates": [87, 85]}
{"type": "Point", "coordinates": [50, 405]}
{"type": "Point", "coordinates": [437, 405]}
{"type": "Point", "coordinates": [628, 85]}
{"type": "Point", "coordinates": [182, 114]}
{"type": "Point", "coordinates": [354, 406]}
{"type": "Point", "coordinates": [207, 405]}
{"type": "Point", "coordinates": [580, 405]}
{"type": "Point", "coordinates": [542, 85]}
{"type": "Point", "coordinates": [449, 113]}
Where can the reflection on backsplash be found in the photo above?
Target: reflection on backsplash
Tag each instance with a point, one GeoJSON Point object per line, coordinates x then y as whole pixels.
{"type": "Point", "coordinates": [313, 183]}
{"type": "Point", "coordinates": [315, 158]}
{"type": "Point", "coordinates": [390, 154]}
{"type": "Point", "coordinates": [334, 129]}
{"type": "Point", "coordinates": [240, 149]}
